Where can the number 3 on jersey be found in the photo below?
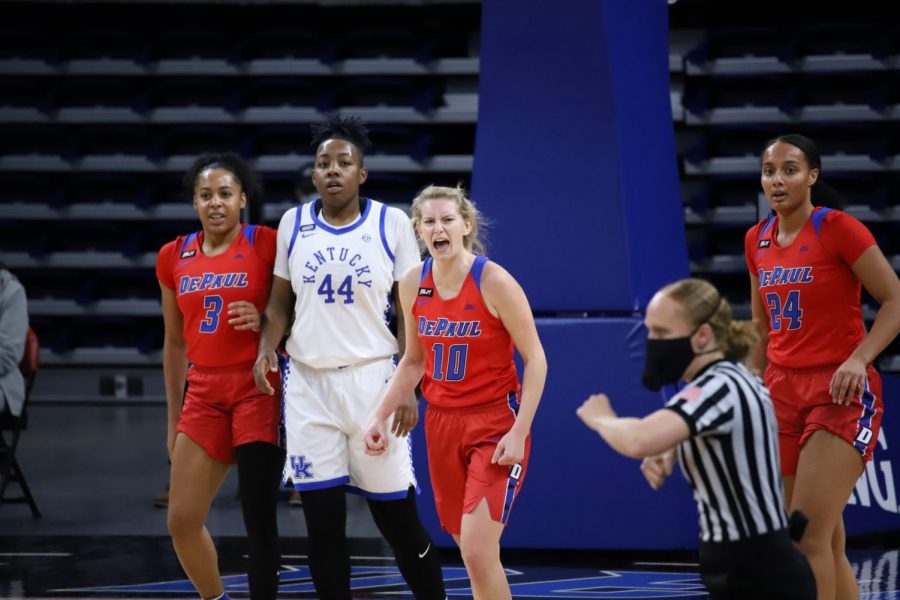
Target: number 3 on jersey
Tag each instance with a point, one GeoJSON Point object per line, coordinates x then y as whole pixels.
{"type": "Point", "coordinates": [789, 311]}
{"type": "Point", "coordinates": [213, 306]}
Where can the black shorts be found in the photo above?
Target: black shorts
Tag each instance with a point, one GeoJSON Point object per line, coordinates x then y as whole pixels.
{"type": "Point", "coordinates": [766, 567]}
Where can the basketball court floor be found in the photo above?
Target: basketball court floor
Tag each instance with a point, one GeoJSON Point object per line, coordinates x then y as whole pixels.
{"type": "Point", "coordinates": [95, 469]}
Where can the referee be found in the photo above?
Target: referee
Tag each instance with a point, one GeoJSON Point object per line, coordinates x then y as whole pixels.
{"type": "Point", "coordinates": [723, 429]}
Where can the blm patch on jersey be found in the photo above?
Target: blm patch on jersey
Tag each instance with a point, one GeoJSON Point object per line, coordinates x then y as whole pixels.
{"type": "Point", "coordinates": [424, 291]}
{"type": "Point", "coordinates": [188, 253]}
{"type": "Point", "coordinates": [764, 243]}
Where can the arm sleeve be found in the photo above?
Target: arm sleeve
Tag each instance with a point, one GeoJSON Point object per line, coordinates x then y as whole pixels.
{"type": "Point", "coordinates": [285, 232]}
{"type": "Point", "coordinates": [165, 263]}
{"type": "Point", "coordinates": [845, 236]}
{"type": "Point", "coordinates": [405, 247]}
{"type": "Point", "coordinates": [708, 408]}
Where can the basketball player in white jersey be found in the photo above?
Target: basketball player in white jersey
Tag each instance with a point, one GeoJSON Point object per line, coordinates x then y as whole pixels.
{"type": "Point", "coordinates": [338, 260]}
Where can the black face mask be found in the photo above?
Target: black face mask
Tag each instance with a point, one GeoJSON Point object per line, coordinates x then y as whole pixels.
{"type": "Point", "coordinates": [666, 360]}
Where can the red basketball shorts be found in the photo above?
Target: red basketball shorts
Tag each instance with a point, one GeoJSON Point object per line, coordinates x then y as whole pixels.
{"type": "Point", "coordinates": [461, 443]}
{"type": "Point", "coordinates": [803, 405]}
{"type": "Point", "coordinates": [224, 409]}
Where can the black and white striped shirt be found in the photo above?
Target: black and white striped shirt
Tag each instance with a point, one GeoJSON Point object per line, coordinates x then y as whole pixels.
{"type": "Point", "coordinates": [731, 456]}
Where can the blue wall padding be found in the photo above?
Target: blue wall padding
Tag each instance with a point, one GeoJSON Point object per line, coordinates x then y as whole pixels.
{"type": "Point", "coordinates": [575, 160]}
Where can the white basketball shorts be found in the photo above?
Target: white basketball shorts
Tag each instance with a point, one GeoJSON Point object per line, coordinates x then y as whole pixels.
{"type": "Point", "coordinates": [326, 413]}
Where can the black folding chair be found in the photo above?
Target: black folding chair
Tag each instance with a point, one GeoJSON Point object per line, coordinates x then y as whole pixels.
{"type": "Point", "coordinates": [11, 429]}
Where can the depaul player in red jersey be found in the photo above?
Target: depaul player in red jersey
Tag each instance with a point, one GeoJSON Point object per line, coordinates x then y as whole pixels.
{"type": "Point", "coordinates": [807, 264]}
{"type": "Point", "coordinates": [214, 284]}
{"type": "Point", "coordinates": [464, 315]}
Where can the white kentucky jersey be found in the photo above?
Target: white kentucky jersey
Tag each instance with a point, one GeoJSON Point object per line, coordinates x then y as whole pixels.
{"type": "Point", "coordinates": [342, 277]}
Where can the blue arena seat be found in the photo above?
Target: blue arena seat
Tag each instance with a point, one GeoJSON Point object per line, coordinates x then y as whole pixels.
{"type": "Point", "coordinates": [283, 91]}
{"type": "Point", "coordinates": [389, 91]}
{"type": "Point", "coordinates": [744, 43]}
{"type": "Point", "coordinates": [286, 43]}
{"type": "Point", "coordinates": [844, 38]}
{"type": "Point", "coordinates": [191, 91]}
{"type": "Point", "coordinates": [118, 189]}
{"type": "Point", "coordinates": [101, 92]}
{"type": "Point", "coordinates": [61, 284]}
{"type": "Point", "coordinates": [196, 139]}
{"type": "Point", "coordinates": [21, 187]}
{"type": "Point", "coordinates": [122, 139]}
{"type": "Point", "coordinates": [19, 236]}
{"type": "Point", "coordinates": [29, 43]}
{"type": "Point", "coordinates": [36, 139]}
{"type": "Point", "coordinates": [385, 42]}
{"type": "Point", "coordinates": [71, 236]}
{"type": "Point", "coordinates": [157, 233]}
{"type": "Point", "coordinates": [106, 43]}
{"type": "Point", "coordinates": [200, 43]}
{"type": "Point", "coordinates": [20, 92]}
{"type": "Point", "coordinates": [127, 284]}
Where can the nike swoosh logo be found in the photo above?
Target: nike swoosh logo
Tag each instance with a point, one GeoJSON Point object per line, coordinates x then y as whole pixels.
{"type": "Point", "coordinates": [422, 555]}
{"type": "Point", "coordinates": [306, 235]}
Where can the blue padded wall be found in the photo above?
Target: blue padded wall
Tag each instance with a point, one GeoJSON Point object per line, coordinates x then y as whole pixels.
{"type": "Point", "coordinates": [578, 493]}
{"type": "Point", "coordinates": [575, 160]}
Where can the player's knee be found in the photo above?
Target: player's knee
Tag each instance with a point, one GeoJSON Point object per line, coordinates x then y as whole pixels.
{"type": "Point", "coordinates": [815, 545]}
{"type": "Point", "coordinates": [839, 541]}
{"type": "Point", "coordinates": [182, 521]}
{"type": "Point", "coordinates": [479, 555]}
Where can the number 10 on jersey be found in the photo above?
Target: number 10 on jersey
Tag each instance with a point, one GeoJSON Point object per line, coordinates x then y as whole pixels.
{"type": "Point", "coordinates": [454, 369]}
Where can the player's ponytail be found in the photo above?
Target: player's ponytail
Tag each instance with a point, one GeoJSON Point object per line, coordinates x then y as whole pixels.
{"type": "Point", "coordinates": [823, 194]}
{"type": "Point", "coordinates": [742, 339]}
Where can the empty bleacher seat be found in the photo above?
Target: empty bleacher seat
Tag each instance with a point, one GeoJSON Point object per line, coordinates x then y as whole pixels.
{"type": "Point", "coordinates": [201, 91]}
{"type": "Point", "coordinates": [199, 43]}
{"type": "Point", "coordinates": [106, 44]}
{"type": "Point", "coordinates": [96, 236]}
{"type": "Point", "coordinates": [100, 92]}
{"type": "Point", "coordinates": [416, 93]}
{"type": "Point", "coordinates": [383, 42]}
{"type": "Point", "coordinates": [119, 140]}
{"type": "Point", "coordinates": [743, 50]}
{"type": "Point", "coordinates": [282, 43]}
{"type": "Point", "coordinates": [190, 141]}
{"type": "Point", "coordinates": [285, 91]}
{"type": "Point", "coordinates": [36, 139]}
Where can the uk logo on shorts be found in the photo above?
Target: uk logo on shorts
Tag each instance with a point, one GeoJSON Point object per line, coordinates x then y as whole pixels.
{"type": "Point", "coordinates": [300, 468]}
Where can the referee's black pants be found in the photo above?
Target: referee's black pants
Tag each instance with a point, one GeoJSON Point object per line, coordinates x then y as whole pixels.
{"type": "Point", "coordinates": [765, 567]}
